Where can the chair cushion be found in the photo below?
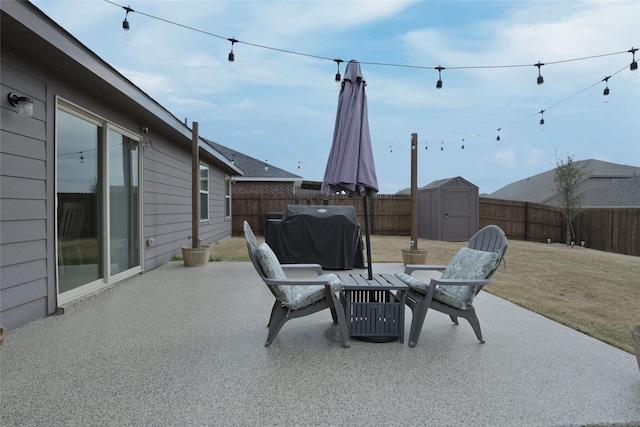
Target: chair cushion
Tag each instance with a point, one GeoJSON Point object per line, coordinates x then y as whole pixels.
{"type": "Point", "coordinates": [293, 296]}
{"type": "Point", "coordinates": [304, 295]}
{"type": "Point", "coordinates": [438, 294]}
{"type": "Point", "coordinates": [467, 264]}
{"type": "Point", "coordinates": [272, 269]}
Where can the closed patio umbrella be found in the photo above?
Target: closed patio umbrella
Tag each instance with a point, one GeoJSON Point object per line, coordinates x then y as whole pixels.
{"type": "Point", "coordinates": [350, 167]}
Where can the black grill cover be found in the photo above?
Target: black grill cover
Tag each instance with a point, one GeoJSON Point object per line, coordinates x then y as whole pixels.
{"type": "Point", "coordinates": [314, 234]}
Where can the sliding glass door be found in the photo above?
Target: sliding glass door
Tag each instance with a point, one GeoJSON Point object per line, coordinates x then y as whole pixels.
{"type": "Point", "coordinates": [99, 199]}
{"type": "Point", "coordinates": [124, 224]}
{"type": "Point", "coordinates": [79, 184]}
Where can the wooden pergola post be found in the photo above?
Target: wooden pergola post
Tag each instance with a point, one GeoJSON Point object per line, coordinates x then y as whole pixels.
{"type": "Point", "coordinates": [414, 190]}
{"type": "Point", "coordinates": [195, 187]}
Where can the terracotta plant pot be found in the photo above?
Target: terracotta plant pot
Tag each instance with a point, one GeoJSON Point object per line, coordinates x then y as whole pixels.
{"type": "Point", "coordinates": [196, 257]}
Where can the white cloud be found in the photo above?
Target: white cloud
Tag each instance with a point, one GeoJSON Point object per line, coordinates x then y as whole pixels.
{"type": "Point", "coordinates": [534, 157]}
{"type": "Point", "coordinates": [245, 104]}
{"type": "Point", "coordinates": [505, 158]}
{"type": "Point", "coordinates": [151, 83]}
{"type": "Point", "coordinates": [271, 104]}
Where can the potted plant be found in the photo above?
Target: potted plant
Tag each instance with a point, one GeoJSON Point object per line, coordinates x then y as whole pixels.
{"type": "Point", "coordinates": [413, 255]}
{"type": "Point", "coordinates": [196, 256]}
{"type": "Point", "coordinates": [635, 335]}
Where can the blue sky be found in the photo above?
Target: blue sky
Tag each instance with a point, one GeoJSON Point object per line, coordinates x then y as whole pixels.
{"type": "Point", "coordinates": [281, 107]}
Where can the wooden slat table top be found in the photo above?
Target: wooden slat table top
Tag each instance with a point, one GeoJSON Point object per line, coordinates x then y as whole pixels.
{"type": "Point", "coordinates": [356, 281]}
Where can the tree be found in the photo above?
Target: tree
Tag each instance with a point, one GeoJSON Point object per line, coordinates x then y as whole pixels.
{"type": "Point", "coordinates": [568, 176]}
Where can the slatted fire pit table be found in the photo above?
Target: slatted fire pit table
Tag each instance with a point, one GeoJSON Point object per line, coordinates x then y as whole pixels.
{"type": "Point", "coordinates": [374, 309]}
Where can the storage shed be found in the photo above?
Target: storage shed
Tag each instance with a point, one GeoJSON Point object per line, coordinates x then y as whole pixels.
{"type": "Point", "coordinates": [448, 210]}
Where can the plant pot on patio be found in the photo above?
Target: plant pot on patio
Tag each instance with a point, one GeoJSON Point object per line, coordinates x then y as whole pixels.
{"type": "Point", "coordinates": [414, 256]}
{"type": "Point", "coordinates": [635, 334]}
{"type": "Point", "coordinates": [196, 257]}
{"type": "Point", "coordinates": [3, 333]}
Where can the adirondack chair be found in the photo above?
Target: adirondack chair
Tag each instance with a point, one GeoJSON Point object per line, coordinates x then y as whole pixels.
{"type": "Point", "coordinates": [69, 229]}
{"type": "Point", "coordinates": [295, 297]}
{"type": "Point", "coordinates": [453, 291]}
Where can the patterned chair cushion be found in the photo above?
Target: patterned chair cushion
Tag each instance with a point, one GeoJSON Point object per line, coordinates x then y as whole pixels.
{"type": "Point", "coordinates": [304, 295]}
{"type": "Point", "coordinates": [272, 269]}
{"type": "Point", "coordinates": [295, 296]}
{"type": "Point", "coordinates": [468, 264]}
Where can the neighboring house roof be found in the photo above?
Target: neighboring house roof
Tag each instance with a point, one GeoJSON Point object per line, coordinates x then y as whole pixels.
{"type": "Point", "coordinates": [623, 193]}
{"type": "Point", "coordinates": [541, 188]}
{"type": "Point", "coordinates": [254, 169]}
{"type": "Point", "coordinates": [437, 184]}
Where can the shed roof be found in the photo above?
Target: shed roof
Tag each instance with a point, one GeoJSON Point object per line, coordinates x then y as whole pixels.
{"type": "Point", "coordinates": [439, 183]}
{"type": "Point", "coordinates": [446, 181]}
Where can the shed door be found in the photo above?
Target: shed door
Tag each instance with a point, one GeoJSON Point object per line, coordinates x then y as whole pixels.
{"type": "Point", "coordinates": [457, 215]}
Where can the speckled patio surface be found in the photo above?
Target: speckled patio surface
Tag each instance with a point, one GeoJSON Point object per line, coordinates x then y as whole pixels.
{"type": "Point", "coordinates": [180, 346]}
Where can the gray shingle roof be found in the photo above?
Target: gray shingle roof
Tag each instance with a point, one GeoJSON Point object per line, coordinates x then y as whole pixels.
{"type": "Point", "coordinates": [435, 184]}
{"type": "Point", "coordinates": [253, 168]}
{"type": "Point", "coordinates": [542, 189]}
{"type": "Point", "coordinates": [624, 193]}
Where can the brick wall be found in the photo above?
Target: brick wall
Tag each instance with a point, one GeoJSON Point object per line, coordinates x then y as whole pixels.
{"type": "Point", "coordinates": [262, 188]}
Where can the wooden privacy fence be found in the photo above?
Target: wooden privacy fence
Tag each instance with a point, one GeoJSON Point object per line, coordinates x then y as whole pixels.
{"type": "Point", "coordinates": [607, 229]}
{"type": "Point", "coordinates": [389, 214]}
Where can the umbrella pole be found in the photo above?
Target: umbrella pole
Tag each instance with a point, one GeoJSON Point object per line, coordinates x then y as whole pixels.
{"type": "Point", "coordinates": [367, 231]}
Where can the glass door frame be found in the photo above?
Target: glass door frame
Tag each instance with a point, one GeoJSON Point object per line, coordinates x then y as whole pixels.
{"type": "Point", "coordinates": [108, 278]}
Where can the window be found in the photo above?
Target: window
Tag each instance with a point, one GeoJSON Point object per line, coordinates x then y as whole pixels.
{"type": "Point", "coordinates": [204, 192]}
{"type": "Point", "coordinates": [227, 197]}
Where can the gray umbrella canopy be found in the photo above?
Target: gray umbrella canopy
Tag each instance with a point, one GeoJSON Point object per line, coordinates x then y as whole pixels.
{"type": "Point", "coordinates": [350, 167]}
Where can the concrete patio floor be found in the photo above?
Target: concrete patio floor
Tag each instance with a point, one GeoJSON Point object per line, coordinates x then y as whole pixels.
{"type": "Point", "coordinates": [179, 346]}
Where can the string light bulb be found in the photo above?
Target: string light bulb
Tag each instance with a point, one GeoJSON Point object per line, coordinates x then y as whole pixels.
{"type": "Point", "coordinates": [463, 143]}
{"type": "Point", "coordinates": [606, 86]}
{"type": "Point", "coordinates": [426, 145]}
{"type": "Point", "coordinates": [540, 78]}
{"type": "Point", "coordinates": [298, 164]}
{"type": "Point", "coordinates": [338, 76]}
{"type": "Point", "coordinates": [634, 65]}
{"type": "Point", "coordinates": [266, 165]}
{"type": "Point", "coordinates": [442, 146]}
{"type": "Point", "coordinates": [542, 117]}
{"type": "Point", "coordinates": [81, 157]}
{"type": "Point", "coordinates": [498, 137]}
{"type": "Point", "coordinates": [125, 23]}
{"type": "Point", "coordinates": [232, 56]}
{"type": "Point", "coordinates": [439, 82]}
{"type": "Point", "coordinates": [390, 149]}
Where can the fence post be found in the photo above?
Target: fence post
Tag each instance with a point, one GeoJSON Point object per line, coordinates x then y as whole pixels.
{"type": "Point", "coordinates": [526, 221]}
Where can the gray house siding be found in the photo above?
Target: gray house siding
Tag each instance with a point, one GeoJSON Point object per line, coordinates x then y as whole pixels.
{"type": "Point", "coordinates": [35, 66]}
{"type": "Point", "coordinates": [167, 204]}
{"type": "Point", "coordinates": [24, 238]}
